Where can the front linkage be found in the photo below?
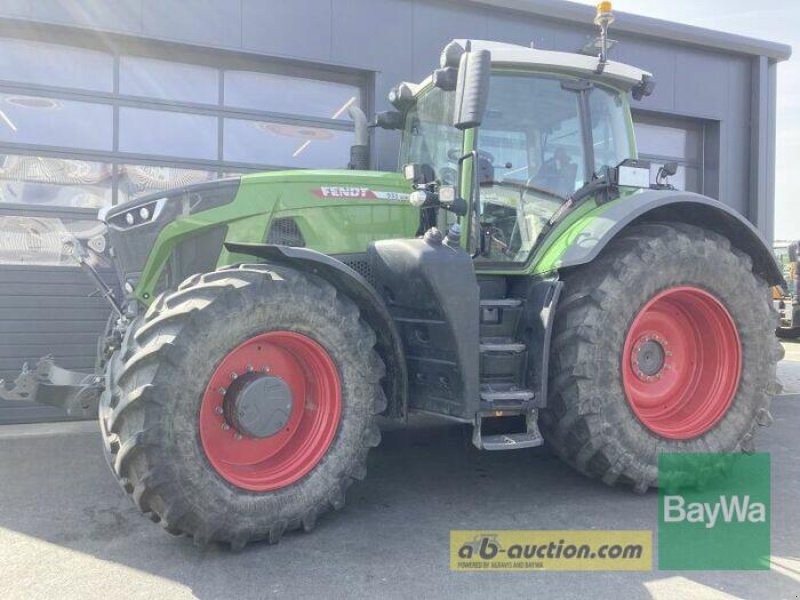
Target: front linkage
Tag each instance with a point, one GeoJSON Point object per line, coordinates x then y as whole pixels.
{"type": "Point", "coordinates": [76, 392]}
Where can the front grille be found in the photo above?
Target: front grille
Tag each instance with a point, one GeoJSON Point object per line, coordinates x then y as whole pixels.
{"type": "Point", "coordinates": [285, 232]}
{"type": "Point", "coordinates": [197, 253]}
{"type": "Point", "coordinates": [360, 264]}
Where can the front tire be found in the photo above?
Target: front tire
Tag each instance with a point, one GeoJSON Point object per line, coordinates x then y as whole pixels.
{"type": "Point", "coordinates": [243, 404]}
{"type": "Point", "coordinates": [662, 344]}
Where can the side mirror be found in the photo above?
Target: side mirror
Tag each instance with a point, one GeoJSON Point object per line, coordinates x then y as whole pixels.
{"type": "Point", "coordinates": [472, 89]}
{"type": "Point", "coordinates": [668, 170]}
{"type": "Point", "coordinates": [390, 119]}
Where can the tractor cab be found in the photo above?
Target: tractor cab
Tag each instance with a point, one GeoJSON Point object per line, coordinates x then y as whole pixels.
{"type": "Point", "coordinates": [549, 126]}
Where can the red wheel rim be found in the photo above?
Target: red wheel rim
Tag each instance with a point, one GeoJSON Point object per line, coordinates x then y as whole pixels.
{"type": "Point", "coordinates": [281, 458]}
{"type": "Point", "coordinates": [681, 363]}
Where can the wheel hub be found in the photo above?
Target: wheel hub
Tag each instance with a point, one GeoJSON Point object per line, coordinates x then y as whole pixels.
{"type": "Point", "coordinates": [258, 406]}
{"type": "Point", "coordinates": [649, 358]}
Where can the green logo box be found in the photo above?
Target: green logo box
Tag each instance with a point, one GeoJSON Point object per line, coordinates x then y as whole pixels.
{"type": "Point", "coordinates": [714, 511]}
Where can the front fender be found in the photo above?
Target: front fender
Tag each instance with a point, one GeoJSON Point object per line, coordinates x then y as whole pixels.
{"type": "Point", "coordinates": [669, 205]}
{"type": "Point", "coordinates": [373, 310]}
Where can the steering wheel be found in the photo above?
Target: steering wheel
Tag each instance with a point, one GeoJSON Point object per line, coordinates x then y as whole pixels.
{"type": "Point", "coordinates": [455, 153]}
{"type": "Point", "coordinates": [527, 187]}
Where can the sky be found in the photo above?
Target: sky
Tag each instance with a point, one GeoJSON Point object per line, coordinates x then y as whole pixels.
{"type": "Point", "coordinates": [774, 20]}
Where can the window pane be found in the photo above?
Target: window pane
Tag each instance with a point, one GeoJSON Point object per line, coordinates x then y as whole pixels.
{"type": "Point", "coordinates": [285, 145]}
{"type": "Point", "coordinates": [676, 142]}
{"type": "Point", "coordinates": [44, 241]}
{"type": "Point", "coordinates": [541, 116]}
{"type": "Point", "coordinates": [140, 180]}
{"type": "Point", "coordinates": [609, 129]}
{"type": "Point", "coordinates": [147, 131]}
{"type": "Point", "coordinates": [172, 81]}
{"type": "Point", "coordinates": [51, 64]}
{"type": "Point", "coordinates": [39, 180]}
{"type": "Point", "coordinates": [54, 122]}
{"type": "Point", "coordinates": [429, 137]}
{"type": "Point", "coordinates": [291, 95]}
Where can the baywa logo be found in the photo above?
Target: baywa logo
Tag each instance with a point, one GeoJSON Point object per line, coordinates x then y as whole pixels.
{"type": "Point", "coordinates": [714, 511]}
{"type": "Point", "coordinates": [729, 508]}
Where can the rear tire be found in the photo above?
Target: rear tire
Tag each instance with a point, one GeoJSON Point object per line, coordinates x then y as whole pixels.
{"type": "Point", "coordinates": [600, 417]}
{"type": "Point", "coordinates": [204, 478]}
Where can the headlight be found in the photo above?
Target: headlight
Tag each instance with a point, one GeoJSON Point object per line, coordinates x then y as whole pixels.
{"type": "Point", "coordinates": [138, 215]}
{"type": "Point", "coordinates": [167, 207]}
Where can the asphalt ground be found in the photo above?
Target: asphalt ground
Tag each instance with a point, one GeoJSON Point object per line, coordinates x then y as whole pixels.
{"type": "Point", "coordinates": [68, 531]}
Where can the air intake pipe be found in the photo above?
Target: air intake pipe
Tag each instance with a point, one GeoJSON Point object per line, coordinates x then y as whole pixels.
{"type": "Point", "coordinates": [359, 152]}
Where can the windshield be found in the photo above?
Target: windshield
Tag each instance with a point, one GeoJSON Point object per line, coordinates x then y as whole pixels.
{"type": "Point", "coordinates": [429, 137]}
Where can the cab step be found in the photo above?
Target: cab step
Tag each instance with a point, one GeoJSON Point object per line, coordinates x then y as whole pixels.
{"type": "Point", "coordinates": [499, 317]}
{"type": "Point", "coordinates": [502, 360]}
{"type": "Point", "coordinates": [496, 345]}
{"type": "Point", "coordinates": [528, 436]}
{"type": "Point", "coordinates": [511, 441]}
{"type": "Point", "coordinates": [505, 398]}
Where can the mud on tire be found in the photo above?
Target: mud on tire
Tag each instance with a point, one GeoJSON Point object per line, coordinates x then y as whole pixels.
{"type": "Point", "coordinates": [155, 384]}
{"type": "Point", "coordinates": [589, 421]}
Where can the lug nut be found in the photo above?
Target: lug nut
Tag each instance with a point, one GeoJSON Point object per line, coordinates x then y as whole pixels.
{"type": "Point", "coordinates": [218, 410]}
{"type": "Point", "coordinates": [234, 375]}
{"type": "Point", "coordinates": [238, 436]}
{"type": "Point", "coordinates": [222, 390]}
{"type": "Point", "coordinates": [225, 426]}
{"type": "Point", "coordinates": [249, 368]}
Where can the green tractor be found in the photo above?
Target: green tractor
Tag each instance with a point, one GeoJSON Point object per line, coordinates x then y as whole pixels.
{"type": "Point", "coordinates": [521, 275]}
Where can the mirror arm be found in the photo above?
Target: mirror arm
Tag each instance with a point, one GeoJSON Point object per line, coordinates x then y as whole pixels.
{"type": "Point", "coordinates": [473, 204]}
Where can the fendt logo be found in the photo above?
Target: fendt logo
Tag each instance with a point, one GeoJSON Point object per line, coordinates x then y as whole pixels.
{"type": "Point", "coordinates": [339, 191]}
{"type": "Point", "coordinates": [336, 191]}
{"type": "Point", "coordinates": [714, 511]}
{"type": "Point", "coordinates": [730, 508]}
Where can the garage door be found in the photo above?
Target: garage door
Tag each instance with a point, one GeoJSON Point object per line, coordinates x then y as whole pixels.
{"type": "Point", "coordinates": [663, 139]}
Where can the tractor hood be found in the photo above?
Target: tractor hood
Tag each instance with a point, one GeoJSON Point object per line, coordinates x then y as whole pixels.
{"type": "Point", "coordinates": [160, 239]}
{"type": "Point", "coordinates": [322, 188]}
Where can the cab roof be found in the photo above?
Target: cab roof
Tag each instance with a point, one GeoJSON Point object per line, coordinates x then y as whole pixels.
{"type": "Point", "coordinates": [582, 65]}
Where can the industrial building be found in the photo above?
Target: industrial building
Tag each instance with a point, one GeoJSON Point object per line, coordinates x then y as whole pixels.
{"type": "Point", "coordinates": [104, 101]}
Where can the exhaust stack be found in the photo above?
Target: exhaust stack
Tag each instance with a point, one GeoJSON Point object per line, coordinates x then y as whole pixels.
{"type": "Point", "coordinates": [359, 152]}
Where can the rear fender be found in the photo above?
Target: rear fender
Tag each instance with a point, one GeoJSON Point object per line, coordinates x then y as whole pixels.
{"type": "Point", "coordinates": [373, 310]}
{"type": "Point", "coordinates": [677, 206]}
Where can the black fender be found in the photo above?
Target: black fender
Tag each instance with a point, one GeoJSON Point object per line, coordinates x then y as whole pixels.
{"type": "Point", "coordinates": [373, 309]}
{"type": "Point", "coordinates": [672, 205]}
